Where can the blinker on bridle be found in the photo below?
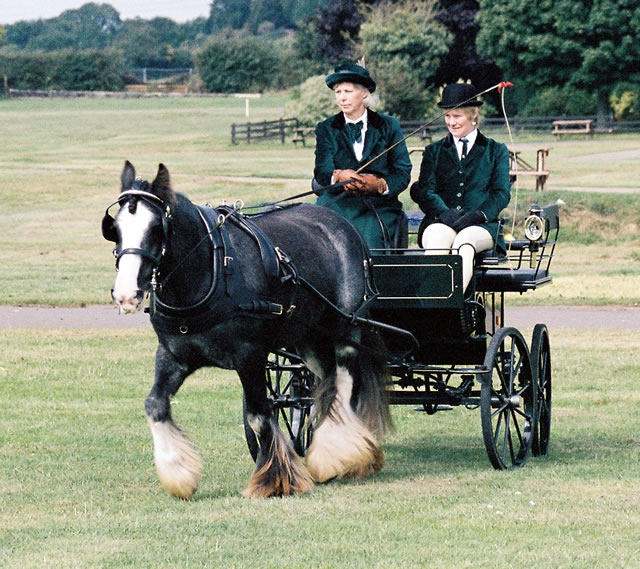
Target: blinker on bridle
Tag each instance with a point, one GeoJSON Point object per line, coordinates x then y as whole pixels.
{"type": "Point", "coordinates": [139, 190]}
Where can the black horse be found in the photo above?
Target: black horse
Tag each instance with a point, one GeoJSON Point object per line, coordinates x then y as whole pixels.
{"type": "Point", "coordinates": [226, 290]}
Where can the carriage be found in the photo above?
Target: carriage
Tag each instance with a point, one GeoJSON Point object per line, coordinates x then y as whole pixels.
{"type": "Point", "coordinates": [447, 350]}
{"type": "Point", "coordinates": [324, 334]}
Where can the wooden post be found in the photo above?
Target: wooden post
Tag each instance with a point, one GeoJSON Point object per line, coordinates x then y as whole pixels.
{"type": "Point", "coordinates": [281, 131]}
{"type": "Point", "coordinates": [6, 85]}
{"type": "Point", "coordinates": [233, 133]}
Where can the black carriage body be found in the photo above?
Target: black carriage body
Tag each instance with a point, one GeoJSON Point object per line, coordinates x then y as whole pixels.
{"type": "Point", "coordinates": [423, 294]}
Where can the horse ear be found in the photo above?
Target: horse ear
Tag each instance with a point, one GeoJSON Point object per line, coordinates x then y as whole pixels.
{"type": "Point", "coordinates": [128, 176]}
{"type": "Point", "coordinates": [161, 186]}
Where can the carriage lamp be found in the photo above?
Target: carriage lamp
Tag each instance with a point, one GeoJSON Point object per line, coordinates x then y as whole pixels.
{"type": "Point", "coordinates": [534, 231]}
{"type": "Point", "coordinates": [534, 224]}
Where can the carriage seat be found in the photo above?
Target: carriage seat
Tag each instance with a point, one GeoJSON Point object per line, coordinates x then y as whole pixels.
{"type": "Point", "coordinates": [527, 263]}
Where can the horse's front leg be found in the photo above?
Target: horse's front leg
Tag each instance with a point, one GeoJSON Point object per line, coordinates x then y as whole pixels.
{"type": "Point", "coordinates": [279, 471]}
{"type": "Point", "coordinates": [177, 463]}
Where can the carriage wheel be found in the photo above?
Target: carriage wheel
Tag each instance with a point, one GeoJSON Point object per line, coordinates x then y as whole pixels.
{"type": "Point", "coordinates": [508, 398]}
{"type": "Point", "coordinates": [541, 359]}
{"type": "Point", "coordinates": [290, 389]}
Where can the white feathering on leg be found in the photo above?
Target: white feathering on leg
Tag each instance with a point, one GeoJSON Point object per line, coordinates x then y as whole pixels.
{"type": "Point", "coordinates": [177, 463]}
{"type": "Point", "coordinates": [342, 445]}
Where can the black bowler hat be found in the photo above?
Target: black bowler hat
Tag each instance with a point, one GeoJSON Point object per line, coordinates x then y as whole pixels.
{"type": "Point", "coordinates": [459, 95]}
{"type": "Point", "coordinates": [351, 73]}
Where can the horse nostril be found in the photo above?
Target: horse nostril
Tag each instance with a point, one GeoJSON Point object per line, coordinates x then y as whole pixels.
{"type": "Point", "coordinates": [139, 294]}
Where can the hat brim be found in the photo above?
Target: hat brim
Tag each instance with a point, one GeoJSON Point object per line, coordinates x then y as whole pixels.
{"type": "Point", "coordinates": [463, 104]}
{"type": "Point", "coordinates": [342, 77]}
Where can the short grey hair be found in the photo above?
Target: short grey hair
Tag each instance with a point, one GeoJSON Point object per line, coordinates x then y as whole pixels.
{"type": "Point", "coordinates": [370, 99]}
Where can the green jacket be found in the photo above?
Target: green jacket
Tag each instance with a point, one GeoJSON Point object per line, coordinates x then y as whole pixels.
{"type": "Point", "coordinates": [479, 182]}
{"type": "Point", "coordinates": [334, 151]}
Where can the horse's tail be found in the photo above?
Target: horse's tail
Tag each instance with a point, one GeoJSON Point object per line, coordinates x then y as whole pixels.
{"type": "Point", "coordinates": [369, 397]}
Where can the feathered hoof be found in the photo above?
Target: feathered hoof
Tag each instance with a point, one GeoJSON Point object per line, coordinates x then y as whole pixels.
{"type": "Point", "coordinates": [279, 473]}
{"type": "Point", "coordinates": [177, 463]}
{"type": "Point", "coordinates": [265, 485]}
{"type": "Point", "coordinates": [336, 452]}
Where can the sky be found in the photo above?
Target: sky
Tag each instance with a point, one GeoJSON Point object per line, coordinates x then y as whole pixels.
{"type": "Point", "coordinates": [12, 11]}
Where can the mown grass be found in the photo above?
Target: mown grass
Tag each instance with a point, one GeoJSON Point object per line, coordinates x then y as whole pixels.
{"type": "Point", "coordinates": [78, 487]}
{"type": "Point", "coordinates": [60, 163]}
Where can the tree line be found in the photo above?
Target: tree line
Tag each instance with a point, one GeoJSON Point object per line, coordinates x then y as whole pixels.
{"type": "Point", "coordinates": [564, 56]}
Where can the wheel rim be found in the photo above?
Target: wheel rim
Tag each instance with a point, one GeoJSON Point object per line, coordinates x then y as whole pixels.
{"type": "Point", "coordinates": [508, 400]}
{"type": "Point", "coordinates": [541, 357]}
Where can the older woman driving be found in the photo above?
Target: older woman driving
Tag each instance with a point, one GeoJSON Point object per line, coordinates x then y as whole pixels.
{"type": "Point", "coordinates": [348, 141]}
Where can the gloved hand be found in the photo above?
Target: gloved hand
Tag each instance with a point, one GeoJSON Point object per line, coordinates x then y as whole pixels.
{"type": "Point", "coordinates": [372, 185]}
{"type": "Point", "coordinates": [450, 217]}
{"type": "Point", "coordinates": [469, 219]}
{"type": "Point", "coordinates": [346, 175]}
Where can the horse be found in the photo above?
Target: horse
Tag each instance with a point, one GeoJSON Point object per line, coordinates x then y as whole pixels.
{"type": "Point", "coordinates": [227, 289]}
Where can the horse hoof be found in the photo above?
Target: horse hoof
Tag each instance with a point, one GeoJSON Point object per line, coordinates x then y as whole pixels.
{"type": "Point", "coordinates": [177, 463]}
{"type": "Point", "coordinates": [337, 452]}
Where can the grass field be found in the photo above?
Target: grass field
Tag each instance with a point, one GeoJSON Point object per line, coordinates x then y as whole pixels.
{"type": "Point", "coordinates": [60, 163]}
{"type": "Point", "coordinates": [78, 487]}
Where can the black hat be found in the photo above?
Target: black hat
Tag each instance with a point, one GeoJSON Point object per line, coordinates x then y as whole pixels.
{"type": "Point", "coordinates": [351, 73]}
{"type": "Point", "coordinates": [459, 95]}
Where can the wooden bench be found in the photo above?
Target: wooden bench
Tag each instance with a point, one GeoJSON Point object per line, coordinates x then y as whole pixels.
{"type": "Point", "coordinates": [300, 134]}
{"type": "Point", "coordinates": [521, 167]}
{"type": "Point", "coordinates": [541, 176]}
{"type": "Point", "coordinates": [572, 127]}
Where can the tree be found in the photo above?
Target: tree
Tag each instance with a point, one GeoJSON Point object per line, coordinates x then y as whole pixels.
{"type": "Point", "coordinates": [229, 14]}
{"type": "Point", "coordinates": [590, 45]}
{"type": "Point", "coordinates": [404, 45]}
{"type": "Point", "coordinates": [337, 24]}
{"type": "Point", "coordinates": [463, 60]}
{"type": "Point", "coordinates": [236, 65]}
{"type": "Point", "coordinates": [92, 26]}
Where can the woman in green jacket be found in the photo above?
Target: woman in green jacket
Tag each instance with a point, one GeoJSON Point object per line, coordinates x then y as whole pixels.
{"type": "Point", "coordinates": [347, 141]}
{"type": "Point", "coordinates": [463, 184]}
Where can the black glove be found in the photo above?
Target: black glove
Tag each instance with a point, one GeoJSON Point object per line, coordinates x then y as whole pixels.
{"type": "Point", "coordinates": [450, 217]}
{"type": "Point", "coordinates": [469, 219]}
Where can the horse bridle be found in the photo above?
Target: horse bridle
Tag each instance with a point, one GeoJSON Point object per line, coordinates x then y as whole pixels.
{"type": "Point", "coordinates": [156, 203]}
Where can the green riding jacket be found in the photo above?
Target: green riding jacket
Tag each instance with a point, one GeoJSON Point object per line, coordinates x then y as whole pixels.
{"type": "Point", "coordinates": [479, 182]}
{"type": "Point", "coordinates": [334, 151]}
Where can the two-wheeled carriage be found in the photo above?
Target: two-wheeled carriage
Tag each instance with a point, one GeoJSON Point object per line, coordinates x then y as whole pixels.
{"type": "Point", "coordinates": [448, 349]}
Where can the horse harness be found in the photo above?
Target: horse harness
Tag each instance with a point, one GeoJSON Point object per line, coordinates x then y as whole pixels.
{"type": "Point", "coordinates": [227, 292]}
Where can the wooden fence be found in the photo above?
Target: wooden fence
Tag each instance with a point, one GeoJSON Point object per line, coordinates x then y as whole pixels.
{"type": "Point", "coordinates": [280, 129]}
{"type": "Point", "coordinates": [259, 131]}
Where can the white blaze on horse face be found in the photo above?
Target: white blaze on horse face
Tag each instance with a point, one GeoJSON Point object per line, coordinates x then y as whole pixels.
{"type": "Point", "coordinates": [133, 228]}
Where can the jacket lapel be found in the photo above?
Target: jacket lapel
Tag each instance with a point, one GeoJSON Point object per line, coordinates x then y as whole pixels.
{"type": "Point", "coordinates": [478, 149]}
{"type": "Point", "coordinates": [340, 133]}
{"type": "Point", "coordinates": [372, 136]}
{"type": "Point", "coordinates": [451, 152]}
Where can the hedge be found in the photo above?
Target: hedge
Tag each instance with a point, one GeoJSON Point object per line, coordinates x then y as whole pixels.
{"type": "Point", "coordinates": [86, 70]}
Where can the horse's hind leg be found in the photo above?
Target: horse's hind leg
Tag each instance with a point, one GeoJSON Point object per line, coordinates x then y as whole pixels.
{"type": "Point", "coordinates": [177, 463]}
{"type": "Point", "coordinates": [342, 445]}
{"type": "Point", "coordinates": [279, 471]}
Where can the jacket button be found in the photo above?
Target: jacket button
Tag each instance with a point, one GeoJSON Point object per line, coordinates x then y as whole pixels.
{"type": "Point", "coordinates": [459, 195]}
{"type": "Point", "coordinates": [458, 207]}
{"type": "Point", "coordinates": [461, 184]}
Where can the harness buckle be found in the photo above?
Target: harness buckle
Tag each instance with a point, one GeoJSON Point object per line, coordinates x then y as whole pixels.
{"type": "Point", "coordinates": [227, 261]}
{"type": "Point", "coordinates": [277, 309]}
